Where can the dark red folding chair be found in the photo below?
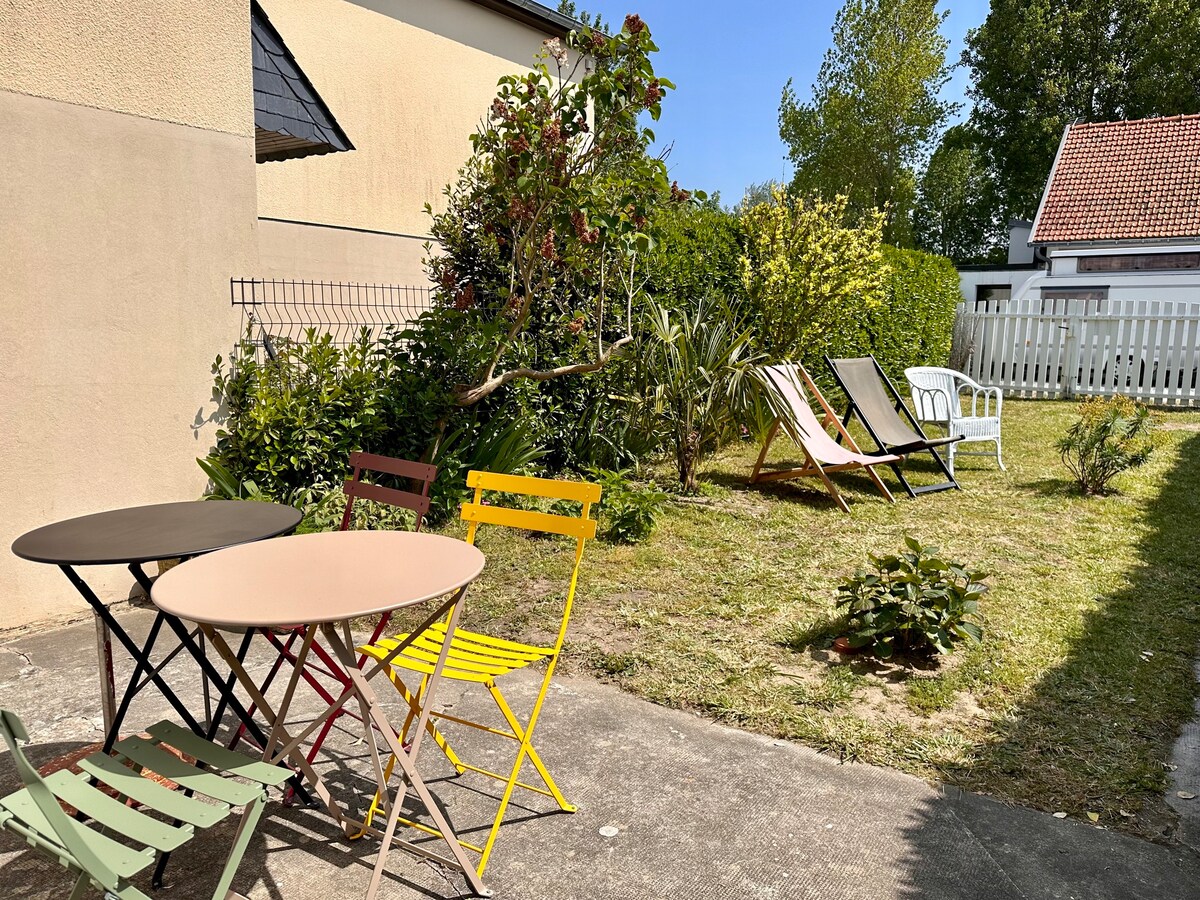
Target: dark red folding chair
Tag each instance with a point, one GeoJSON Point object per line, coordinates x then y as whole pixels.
{"type": "Point", "coordinates": [321, 663]}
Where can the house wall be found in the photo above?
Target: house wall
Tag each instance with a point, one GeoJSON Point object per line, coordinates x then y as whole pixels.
{"type": "Point", "coordinates": [1063, 274]}
{"type": "Point", "coordinates": [127, 191]}
{"type": "Point", "coordinates": [969, 280]}
{"type": "Point", "coordinates": [408, 81]}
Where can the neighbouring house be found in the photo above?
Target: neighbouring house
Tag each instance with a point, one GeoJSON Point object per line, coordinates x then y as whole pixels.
{"type": "Point", "coordinates": [1119, 219]}
{"type": "Point", "coordinates": [988, 285]}
{"type": "Point", "coordinates": [154, 152]}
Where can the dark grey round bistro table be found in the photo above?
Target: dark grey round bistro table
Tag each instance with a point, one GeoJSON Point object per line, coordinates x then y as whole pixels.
{"type": "Point", "coordinates": [141, 534]}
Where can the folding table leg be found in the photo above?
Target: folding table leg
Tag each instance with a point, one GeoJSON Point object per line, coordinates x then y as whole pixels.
{"type": "Point", "coordinates": [108, 682]}
{"type": "Point", "coordinates": [407, 758]}
{"type": "Point", "coordinates": [215, 722]}
{"type": "Point", "coordinates": [111, 735]}
{"type": "Point", "coordinates": [209, 671]}
{"type": "Point", "coordinates": [276, 720]}
{"type": "Point", "coordinates": [131, 648]}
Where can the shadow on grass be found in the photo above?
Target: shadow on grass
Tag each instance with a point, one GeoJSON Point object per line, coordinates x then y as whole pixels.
{"type": "Point", "coordinates": [1052, 487]}
{"type": "Point", "coordinates": [802, 490]}
{"type": "Point", "coordinates": [1094, 734]}
{"type": "Point", "coordinates": [800, 637]}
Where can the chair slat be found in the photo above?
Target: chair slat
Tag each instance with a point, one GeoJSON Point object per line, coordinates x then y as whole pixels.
{"type": "Point", "coordinates": [554, 489]}
{"type": "Point", "coordinates": [381, 494]}
{"type": "Point", "coordinates": [129, 783]}
{"type": "Point", "coordinates": [149, 756]}
{"type": "Point", "coordinates": [515, 648]}
{"type": "Point", "coordinates": [429, 656]}
{"type": "Point", "coordinates": [218, 757]}
{"type": "Point", "coordinates": [530, 520]}
{"type": "Point", "coordinates": [75, 791]}
{"type": "Point", "coordinates": [124, 861]}
{"type": "Point", "coordinates": [424, 668]}
{"type": "Point", "coordinates": [404, 468]}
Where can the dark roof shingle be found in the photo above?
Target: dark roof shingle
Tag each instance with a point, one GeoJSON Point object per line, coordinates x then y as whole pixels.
{"type": "Point", "coordinates": [290, 118]}
{"type": "Point", "coordinates": [1133, 180]}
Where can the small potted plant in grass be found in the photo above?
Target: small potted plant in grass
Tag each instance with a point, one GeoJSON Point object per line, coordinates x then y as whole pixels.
{"type": "Point", "coordinates": [913, 602]}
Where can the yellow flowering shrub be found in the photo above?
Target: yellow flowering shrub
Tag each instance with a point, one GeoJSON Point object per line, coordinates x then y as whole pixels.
{"type": "Point", "coordinates": [812, 274]}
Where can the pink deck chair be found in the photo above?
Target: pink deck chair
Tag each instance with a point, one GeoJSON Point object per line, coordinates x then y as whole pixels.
{"type": "Point", "coordinates": [786, 384]}
{"type": "Point", "coordinates": [321, 669]}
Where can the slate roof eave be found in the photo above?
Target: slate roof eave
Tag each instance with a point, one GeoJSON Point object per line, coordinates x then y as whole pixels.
{"type": "Point", "coordinates": [285, 101]}
{"type": "Point", "coordinates": [534, 14]}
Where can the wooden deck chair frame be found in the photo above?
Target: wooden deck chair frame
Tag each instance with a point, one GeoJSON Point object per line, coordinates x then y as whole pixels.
{"type": "Point", "coordinates": [482, 659]}
{"type": "Point", "coordinates": [786, 418]}
{"type": "Point", "coordinates": [36, 814]}
{"type": "Point", "coordinates": [421, 475]}
{"type": "Point", "coordinates": [925, 444]}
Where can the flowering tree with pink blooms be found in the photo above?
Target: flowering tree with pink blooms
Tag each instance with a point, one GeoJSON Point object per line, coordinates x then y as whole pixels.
{"type": "Point", "coordinates": [538, 248]}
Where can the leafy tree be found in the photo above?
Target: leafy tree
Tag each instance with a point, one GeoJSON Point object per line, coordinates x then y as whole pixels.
{"type": "Point", "coordinates": [874, 111]}
{"type": "Point", "coordinates": [812, 271]}
{"type": "Point", "coordinates": [1038, 65]}
{"type": "Point", "coordinates": [582, 16]}
{"type": "Point", "coordinates": [548, 218]}
{"type": "Point", "coordinates": [957, 213]}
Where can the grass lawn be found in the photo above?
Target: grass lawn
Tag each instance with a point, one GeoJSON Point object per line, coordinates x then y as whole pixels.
{"type": "Point", "coordinates": [1072, 702]}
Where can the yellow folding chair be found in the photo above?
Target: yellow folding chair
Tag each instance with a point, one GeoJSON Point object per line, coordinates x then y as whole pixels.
{"type": "Point", "coordinates": [481, 659]}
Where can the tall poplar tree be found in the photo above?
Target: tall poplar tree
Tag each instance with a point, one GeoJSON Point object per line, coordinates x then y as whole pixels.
{"type": "Point", "coordinates": [875, 109]}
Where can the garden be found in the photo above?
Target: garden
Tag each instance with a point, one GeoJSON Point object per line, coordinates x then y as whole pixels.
{"type": "Point", "coordinates": [1029, 636]}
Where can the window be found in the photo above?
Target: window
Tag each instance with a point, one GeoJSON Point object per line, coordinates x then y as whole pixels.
{"type": "Point", "coordinates": [989, 297]}
{"type": "Point", "coordinates": [1057, 301]}
{"type": "Point", "coordinates": [1139, 262]}
{"type": "Point", "coordinates": [1075, 293]}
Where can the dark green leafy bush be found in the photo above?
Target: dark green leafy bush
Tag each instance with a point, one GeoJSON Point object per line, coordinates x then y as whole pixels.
{"type": "Point", "coordinates": [292, 422]}
{"type": "Point", "coordinates": [1113, 435]}
{"type": "Point", "coordinates": [912, 602]}
{"type": "Point", "coordinates": [629, 511]}
{"type": "Point", "coordinates": [325, 514]}
{"type": "Point", "coordinates": [915, 323]}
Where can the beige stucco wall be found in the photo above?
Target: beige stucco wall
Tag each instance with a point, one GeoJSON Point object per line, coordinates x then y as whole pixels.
{"type": "Point", "coordinates": [119, 230]}
{"type": "Point", "coordinates": [408, 80]}
{"type": "Point", "coordinates": [320, 253]}
{"type": "Point", "coordinates": [173, 60]}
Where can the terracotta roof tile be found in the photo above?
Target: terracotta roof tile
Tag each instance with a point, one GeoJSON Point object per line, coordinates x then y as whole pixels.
{"type": "Point", "coordinates": [1134, 180]}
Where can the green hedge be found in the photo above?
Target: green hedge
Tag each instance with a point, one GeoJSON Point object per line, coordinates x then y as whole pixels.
{"type": "Point", "coordinates": [914, 325]}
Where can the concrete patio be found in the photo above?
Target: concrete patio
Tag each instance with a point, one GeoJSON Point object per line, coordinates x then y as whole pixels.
{"type": "Point", "coordinates": [700, 810]}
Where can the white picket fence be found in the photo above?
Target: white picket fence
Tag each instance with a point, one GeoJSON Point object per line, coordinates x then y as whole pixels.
{"type": "Point", "coordinates": [1147, 349]}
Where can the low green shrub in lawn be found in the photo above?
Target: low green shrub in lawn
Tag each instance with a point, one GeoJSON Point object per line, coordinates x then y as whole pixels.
{"type": "Point", "coordinates": [629, 511]}
{"type": "Point", "coordinates": [914, 601]}
{"type": "Point", "coordinates": [1113, 435]}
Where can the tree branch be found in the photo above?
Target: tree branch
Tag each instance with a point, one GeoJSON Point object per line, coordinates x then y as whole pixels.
{"type": "Point", "coordinates": [472, 395]}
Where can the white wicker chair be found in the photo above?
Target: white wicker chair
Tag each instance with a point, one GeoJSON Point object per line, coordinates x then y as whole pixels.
{"type": "Point", "coordinates": [937, 396]}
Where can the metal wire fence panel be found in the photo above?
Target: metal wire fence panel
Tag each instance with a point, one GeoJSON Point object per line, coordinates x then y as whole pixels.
{"type": "Point", "coordinates": [285, 309]}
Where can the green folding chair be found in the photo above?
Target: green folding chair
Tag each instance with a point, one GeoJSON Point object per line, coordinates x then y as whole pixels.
{"type": "Point", "coordinates": [35, 813]}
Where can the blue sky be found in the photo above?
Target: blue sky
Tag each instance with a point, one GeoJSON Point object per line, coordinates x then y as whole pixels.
{"type": "Point", "coordinates": [730, 61]}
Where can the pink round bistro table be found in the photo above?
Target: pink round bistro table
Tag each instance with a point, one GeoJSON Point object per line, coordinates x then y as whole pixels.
{"type": "Point", "coordinates": [321, 582]}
